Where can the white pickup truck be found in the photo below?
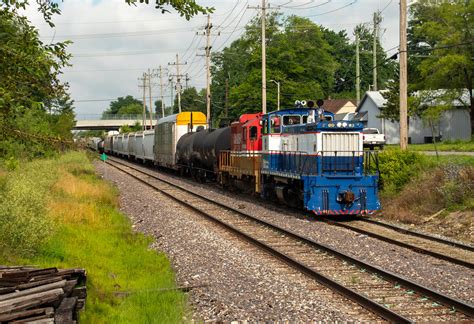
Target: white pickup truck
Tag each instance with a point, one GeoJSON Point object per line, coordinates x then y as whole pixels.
{"type": "Point", "coordinates": [373, 138]}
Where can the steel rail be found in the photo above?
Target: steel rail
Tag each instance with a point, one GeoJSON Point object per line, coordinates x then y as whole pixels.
{"type": "Point", "coordinates": [412, 247]}
{"type": "Point", "coordinates": [324, 280]}
{"type": "Point", "coordinates": [439, 297]}
{"type": "Point", "coordinates": [426, 236]}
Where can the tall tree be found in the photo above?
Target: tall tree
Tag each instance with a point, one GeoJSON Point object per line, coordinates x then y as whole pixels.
{"type": "Point", "coordinates": [441, 42]}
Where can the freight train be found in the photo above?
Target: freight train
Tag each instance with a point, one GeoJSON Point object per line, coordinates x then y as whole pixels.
{"type": "Point", "coordinates": [296, 156]}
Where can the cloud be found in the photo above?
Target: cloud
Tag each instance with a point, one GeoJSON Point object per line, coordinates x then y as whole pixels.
{"type": "Point", "coordinates": [115, 43]}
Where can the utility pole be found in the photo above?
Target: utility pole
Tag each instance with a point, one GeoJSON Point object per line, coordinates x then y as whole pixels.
{"type": "Point", "coordinates": [377, 21]}
{"type": "Point", "coordinates": [149, 92]}
{"type": "Point", "coordinates": [207, 33]}
{"type": "Point", "coordinates": [171, 93]}
{"type": "Point", "coordinates": [226, 97]}
{"type": "Point", "coordinates": [263, 9]}
{"type": "Point", "coordinates": [178, 80]}
{"type": "Point", "coordinates": [161, 94]}
{"type": "Point", "coordinates": [264, 61]}
{"type": "Point", "coordinates": [403, 76]}
{"type": "Point", "coordinates": [357, 67]}
{"type": "Point", "coordinates": [143, 86]}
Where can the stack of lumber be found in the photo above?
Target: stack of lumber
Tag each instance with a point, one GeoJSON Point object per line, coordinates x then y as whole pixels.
{"type": "Point", "coordinates": [49, 295]}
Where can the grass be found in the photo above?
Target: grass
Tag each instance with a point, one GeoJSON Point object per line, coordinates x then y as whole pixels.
{"type": "Point", "coordinates": [127, 282]}
{"type": "Point", "coordinates": [458, 146]}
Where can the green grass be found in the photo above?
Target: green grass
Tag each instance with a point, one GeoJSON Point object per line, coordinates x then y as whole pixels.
{"type": "Point", "coordinates": [127, 282]}
{"type": "Point", "coordinates": [457, 146]}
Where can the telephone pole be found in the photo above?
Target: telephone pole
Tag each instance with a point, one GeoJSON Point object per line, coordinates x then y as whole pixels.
{"type": "Point", "coordinates": [263, 9]}
{"type": "Point", "coordinates": [377, 21]}
{"type": "Point", "coordinates": [226, 97]}
{"type": "Point", "coordinates": [143, 86]}
{"type": "Point", "coordinates": [403, 76]}
{"type": "Point", "coordinates": [207, 54]}
{"type": "Point", "coordinates": [357, 67]}
{"type": "Point", "coordinates": [149, 92]}
{"type": "Point", "coordinates": [161, 93]}
{"type": "Point", "coordinates": [178, 80]}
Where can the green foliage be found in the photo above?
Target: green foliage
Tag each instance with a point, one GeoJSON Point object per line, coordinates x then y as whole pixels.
{"type": "Point", "coordinates": [25, 225]}
{"type": "Point", "coordinates": [191, 101]}
{"type": "Point", "coordinates": [309, 61]}
{"type": "Point", "coordinates": [397, 168]}
{"type": "Point", "coordinates": [122, 103]}
{"type": "Point", "coordinates": [186, 8]}
{"type": "Point", "coordinates": [34, 107]}
{"type": "Point", "coordinates": [441, 36]}
{"type": "Point", "coordinates": [130, 129]}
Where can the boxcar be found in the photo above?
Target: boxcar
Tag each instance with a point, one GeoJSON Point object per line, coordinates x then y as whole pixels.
{"type": "Point", "coordinates": [169, 130]}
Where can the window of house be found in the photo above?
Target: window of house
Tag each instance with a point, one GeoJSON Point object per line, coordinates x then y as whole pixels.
{"type": "Point", "coordinates": [291, 120]}
{"type": "Point", "coordinates": [253, 132]}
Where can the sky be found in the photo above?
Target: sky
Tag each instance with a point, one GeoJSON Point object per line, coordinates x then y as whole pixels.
{"type": "Point", "coordinates": [114, 43]}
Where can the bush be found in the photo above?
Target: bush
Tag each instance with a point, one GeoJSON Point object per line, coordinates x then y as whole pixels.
{"type": "Point", "coordinates": [397, 168]}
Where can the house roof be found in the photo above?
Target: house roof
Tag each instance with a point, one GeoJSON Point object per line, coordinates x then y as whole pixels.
{"type": "Point", "coordinates": [334, 105]}
{"type": "Point", "coordinates": [376, 97]}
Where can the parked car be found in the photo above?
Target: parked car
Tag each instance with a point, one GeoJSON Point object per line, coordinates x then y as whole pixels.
{"type": "Point", "coordinates": [373, 138]}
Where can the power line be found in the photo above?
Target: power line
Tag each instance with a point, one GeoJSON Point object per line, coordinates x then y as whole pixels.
{"type": "Point", "coordinates": [143, 52]}
{"type": "Point", "coordinates": [300, 7]}
{"type": "Point", "coordinates": [331, 11]}
{"type": "Point", "coordinates": [126, 34]}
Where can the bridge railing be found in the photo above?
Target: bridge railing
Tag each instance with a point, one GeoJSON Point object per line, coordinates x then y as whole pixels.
{"type": "Point", "coordinates": [113, 117]}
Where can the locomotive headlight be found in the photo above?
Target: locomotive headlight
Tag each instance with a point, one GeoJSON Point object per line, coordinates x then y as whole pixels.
{"type": "Point", "coordinates": [344, 124]}
{"type": "Point", "coordinates": [339, 124]}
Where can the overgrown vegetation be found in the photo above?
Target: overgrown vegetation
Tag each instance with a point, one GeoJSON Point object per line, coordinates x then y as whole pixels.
{"type": "Point", "coordinates": [59, 213]}
{"type": "Point", "coordinates": [418, 186]}
{"type": "Point", "coordinates": [457, 146]}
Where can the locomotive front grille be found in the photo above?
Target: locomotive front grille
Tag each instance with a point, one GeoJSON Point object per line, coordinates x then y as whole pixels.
{"type": "Point", "coordinates": [342, 144]}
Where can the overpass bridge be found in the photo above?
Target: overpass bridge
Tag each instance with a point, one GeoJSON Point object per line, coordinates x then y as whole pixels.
{"type": "Point", "coordinates": [109, 122]}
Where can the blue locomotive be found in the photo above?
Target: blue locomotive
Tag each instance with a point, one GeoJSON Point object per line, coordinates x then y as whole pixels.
{"type": "Point", "coordinates": [317, 163]}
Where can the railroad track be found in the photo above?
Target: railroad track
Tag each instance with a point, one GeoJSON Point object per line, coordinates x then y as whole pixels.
{"type": "Point", "coordinates": [437, 247]}
{"type": "Point", "coordinates": [386, 294]}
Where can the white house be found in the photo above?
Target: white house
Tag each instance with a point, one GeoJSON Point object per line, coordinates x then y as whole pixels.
{"type": "Point", "coordinates": [454, 123]}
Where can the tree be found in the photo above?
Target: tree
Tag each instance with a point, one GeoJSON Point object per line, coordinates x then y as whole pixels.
{"type": "Point", "coordinates": [190, 101]}
{"type": "Point", "coordinates": [441, 45]}
{"type": "Point", "coordinates": [121, 102]}
{"type": "Point", "coordinates": [131, 109]}
{"type": "Point", "coordinates": [34, 106]}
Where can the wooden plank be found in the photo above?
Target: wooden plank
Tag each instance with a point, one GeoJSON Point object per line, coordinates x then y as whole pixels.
{"type": "Point", "coordinates": [26, 313]}
{"type": "Point", "coordinates": [64, 313]}
{"type": "Point", "coordinates": [34, 290]}
{"type": "Point", "coordinates": [38, 283]}
{"type": "Point", "coordinates": [29, 301]}
{"type": "Point", "coordinates": [79, 292]}
{"type": "Point", "coordinates": [34, 319]}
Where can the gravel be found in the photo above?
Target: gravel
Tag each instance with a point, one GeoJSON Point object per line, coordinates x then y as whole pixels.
{"type": "Point", "coordinates": [231, 280]}
{"type": "Point", "coordinates": [451, 279]}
